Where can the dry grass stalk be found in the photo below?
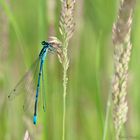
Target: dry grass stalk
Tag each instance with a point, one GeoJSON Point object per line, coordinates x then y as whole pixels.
{"type": "Point", "coordinates": [26, 136]}
{"type": "Point", "coordinates": [122, 52]}
{"type": "Point", "coordinates": [66, 29]}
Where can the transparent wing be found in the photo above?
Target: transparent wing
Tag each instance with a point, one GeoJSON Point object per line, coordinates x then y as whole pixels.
{"type": "Point", "coordinates": [52, 50]}
{"type": "Point", "coordinates": [31, 88]}
{"type": "Point", "coordinates": [27, 85]}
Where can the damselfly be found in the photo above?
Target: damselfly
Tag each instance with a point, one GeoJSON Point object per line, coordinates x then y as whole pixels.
{"type": "Point", "coordinates": [39, 62]}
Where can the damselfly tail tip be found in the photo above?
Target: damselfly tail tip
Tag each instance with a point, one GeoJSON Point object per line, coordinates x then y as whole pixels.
{"type": "Point", "coordinates": [35, 119]}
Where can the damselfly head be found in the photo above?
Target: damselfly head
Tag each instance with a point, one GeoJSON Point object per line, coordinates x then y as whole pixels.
{"type": "Point", "coordinates": [44, 43]}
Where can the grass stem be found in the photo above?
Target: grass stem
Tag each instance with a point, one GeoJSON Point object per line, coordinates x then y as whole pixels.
{"type": "Point", "coordinates": [66, 30]}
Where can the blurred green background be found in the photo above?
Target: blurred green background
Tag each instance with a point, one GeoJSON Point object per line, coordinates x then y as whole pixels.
{"type": "Point", "coordinates": [23, 25]}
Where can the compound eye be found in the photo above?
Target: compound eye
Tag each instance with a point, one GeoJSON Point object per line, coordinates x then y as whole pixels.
{"type": "Point", "coordinates": [43, 42]}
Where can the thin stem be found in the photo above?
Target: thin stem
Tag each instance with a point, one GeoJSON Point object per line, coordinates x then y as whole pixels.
{"type": "Point", "coordinates": [65, 79]}
{"type": "Point", "coordinates": [64, 103]}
